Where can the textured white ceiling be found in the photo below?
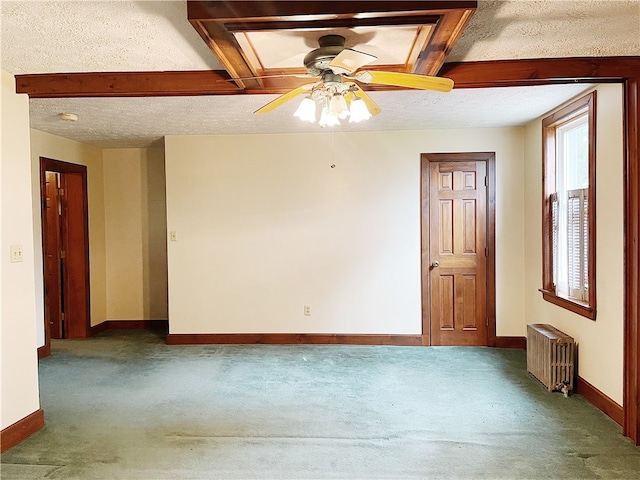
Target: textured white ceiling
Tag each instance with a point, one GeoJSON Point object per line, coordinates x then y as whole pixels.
{"type": "Point", "coordinates": [517, 29]}
{"type": "Point", "coordinates": [119, 35]}
{"type": "Point", "coordinates": [100, 36]}
{"type": "Point", "coordinates": [138, 122]}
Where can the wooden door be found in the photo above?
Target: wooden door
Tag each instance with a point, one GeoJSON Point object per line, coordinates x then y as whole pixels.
{"type": "Point", "coordinates": [52, 261]}
{"type": "Point", "coordinates": [457, 252]}
{"type": "Point", "coordinates": [75, 262]}
{"type": "Point", "coordinates": [65, 245]}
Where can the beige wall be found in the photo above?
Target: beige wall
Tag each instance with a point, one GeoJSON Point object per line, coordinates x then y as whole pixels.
{"type": "Point", "coordinates": [127, 228]}
{"type": "Point", "coordinates": [135, 215]}
{"type": "Point", "coordinates": [264, 226]}
{"type": "Point", "coordinates": [599, 343]}
{"type": "Point", "coordinates": [18, 349]}
{"type": "Point", "coordinates": [62, 149]}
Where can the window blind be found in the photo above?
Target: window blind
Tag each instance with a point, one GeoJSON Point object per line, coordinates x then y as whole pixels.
{"type": "Point", "coordinates": [577, 243]}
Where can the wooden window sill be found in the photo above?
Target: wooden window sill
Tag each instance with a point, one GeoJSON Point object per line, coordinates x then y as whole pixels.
{"type": "Point", "coordinates": [574, 306]}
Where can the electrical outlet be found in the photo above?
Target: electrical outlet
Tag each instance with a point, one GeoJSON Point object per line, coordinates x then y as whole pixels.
{"type": "Point", "coordinates": [16, 253]}
{"type": "Point", "coordinates": [307, 310]}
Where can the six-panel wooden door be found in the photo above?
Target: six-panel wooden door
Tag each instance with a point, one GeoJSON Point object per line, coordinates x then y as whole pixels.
{"type": "Point", "coordinates": [457, 261]}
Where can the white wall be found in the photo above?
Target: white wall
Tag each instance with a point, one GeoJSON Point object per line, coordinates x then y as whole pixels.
{"type": "Point", "coordinates": [136, 228]}
{"type": "Point", "coordinates": [18, 357]}
{"type": "Point", "coordinates": [58, 148]}
{"type": "Point", "coordinates": [600, 343]}
{"type": "Point", "coordinates": [265, 226]}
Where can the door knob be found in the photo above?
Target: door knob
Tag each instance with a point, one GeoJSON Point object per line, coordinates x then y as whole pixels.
{"type": "Point", "coordinates": [435, 264]}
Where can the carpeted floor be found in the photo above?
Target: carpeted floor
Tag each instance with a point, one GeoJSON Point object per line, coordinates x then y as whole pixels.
{"type": "Point", "coordinates": [123, 405]}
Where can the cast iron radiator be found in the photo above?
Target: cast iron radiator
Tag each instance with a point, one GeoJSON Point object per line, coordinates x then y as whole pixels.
{"type": "Point", "coordinates": [550, 357]}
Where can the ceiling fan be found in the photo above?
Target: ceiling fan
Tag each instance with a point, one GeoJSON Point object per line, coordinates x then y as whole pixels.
{"type": "Point", "coordinates": [338, 93]}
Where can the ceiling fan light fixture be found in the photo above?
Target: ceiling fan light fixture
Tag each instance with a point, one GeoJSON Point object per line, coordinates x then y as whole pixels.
{"type": "Point", "coordinates": [338, 106]}
{"type": "Point", "coordinates": [306, 111]}
{"type": "Point", "coordinates": [359, 111]}
{"type": "Point", "coordinates": [334, 64]}
{"type": "Point", "coordinates": [327, 119]}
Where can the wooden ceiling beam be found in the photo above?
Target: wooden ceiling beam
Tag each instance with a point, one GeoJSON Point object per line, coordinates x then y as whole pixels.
{"type": "Point", "coordinates": [126, 84]}
{"type": "Point", "coordinates": [231, 11]}
{"type": "Point", "coordinates": [497, 73]}
{"type": "Point", "coordinates": [542, 71]}
{"type": "Point", "coordinates": [222, 42]}
{"type": "Point", "coordinates": [338, 22]}
{"type": "Point", "coordinates": [447, 31]}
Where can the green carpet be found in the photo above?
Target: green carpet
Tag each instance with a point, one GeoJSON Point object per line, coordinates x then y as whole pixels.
{"type": "Point", "coordinates": [123, 405]}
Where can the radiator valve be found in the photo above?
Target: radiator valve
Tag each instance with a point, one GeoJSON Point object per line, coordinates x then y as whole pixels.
{"type": "Point", "coordinates": [565, 389]}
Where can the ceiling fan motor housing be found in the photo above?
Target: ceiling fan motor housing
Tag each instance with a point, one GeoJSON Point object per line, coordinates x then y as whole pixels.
{"type": "Point", "coordinates": [317, 61]}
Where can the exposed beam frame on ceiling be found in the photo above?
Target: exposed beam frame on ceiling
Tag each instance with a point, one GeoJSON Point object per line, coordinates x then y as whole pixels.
{"type": "Point", "coordinates": [218, 22]}
{"type": "Point", "coordinates": [126, 84]}
{"type": "Point", "coordinates": [497, 73]}
{"type": "Point", "coordinates": [625, 70]}
{"type": "Point", "coordinates": [543, 71]}
{"type": "Point", "coordinates": [151, 84]}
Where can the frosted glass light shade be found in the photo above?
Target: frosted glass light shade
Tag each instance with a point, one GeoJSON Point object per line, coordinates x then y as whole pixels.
{"type": "Point", "coordinates": [306, 111]}
{"type": "Point", "coordinates": [338, 107]}
{"type": "Point", "coordinates": [359, 111]}
{"type": "Point", "coordinates": [327, 119]}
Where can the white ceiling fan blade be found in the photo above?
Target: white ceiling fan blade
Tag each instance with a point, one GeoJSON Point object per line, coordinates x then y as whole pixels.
{"type": "Point", "coordinates": [272, 105]}
{"type": "Point", "coordinates": [409, 80]}
{"type": "Point", "coordinates": [348, 61]}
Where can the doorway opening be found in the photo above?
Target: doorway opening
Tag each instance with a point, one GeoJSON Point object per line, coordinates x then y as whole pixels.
{"type": "Point", "coordinates": [458, 248]}
{"type": "Point", "coordinates": [65, 250]}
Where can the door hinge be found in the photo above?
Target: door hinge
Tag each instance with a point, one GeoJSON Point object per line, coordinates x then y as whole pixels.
{"type": "Point", "coordinates": [485, 181]}
{"type": "Point", "coordinates": [486, 251]}
{"type": "Point", "coordinates": [487, 321]}
{"type": "Point", "coordinates": [63, 254]}
{"type": "Point", "coordinates": [61, 192]}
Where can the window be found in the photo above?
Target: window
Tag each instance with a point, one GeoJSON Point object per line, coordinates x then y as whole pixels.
{"type": "Point", "coordinates": [568, 215]}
